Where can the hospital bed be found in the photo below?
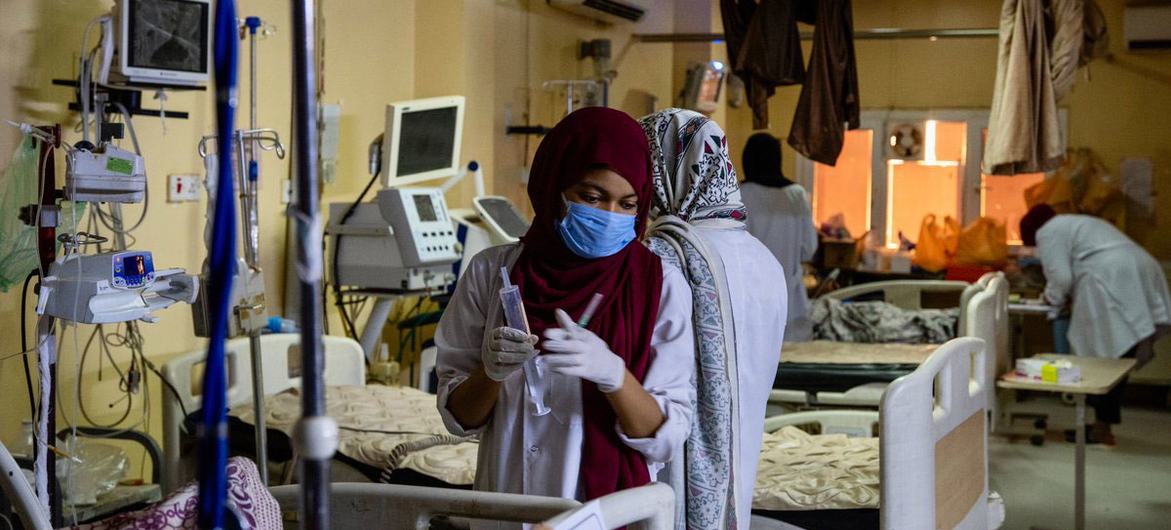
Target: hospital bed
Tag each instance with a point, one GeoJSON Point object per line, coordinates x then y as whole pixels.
{"type": "Point", "coordinates": [927, 468]}
{"type": "Point", "coordinates": [835, 374]}
{"type": "Point", "coordinates": [391, 434]}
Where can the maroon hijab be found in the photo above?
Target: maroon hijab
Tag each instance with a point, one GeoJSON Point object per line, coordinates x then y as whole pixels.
{"type": "Point", "coordinates": [551, 277]}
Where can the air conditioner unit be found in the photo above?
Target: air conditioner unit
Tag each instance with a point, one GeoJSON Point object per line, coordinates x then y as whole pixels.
{"type": "Point", "coordinates": [609, 11]}
{"type": "Point", "coordinates": [1147, 27]}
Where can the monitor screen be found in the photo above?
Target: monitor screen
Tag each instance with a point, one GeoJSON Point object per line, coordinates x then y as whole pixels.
{"type": "Point", "coordinates": [425, 208]}
{"type": "Point", "coordinates": [168, 35]}
{"type": "Point", "coordinates": [505, 216]}
{"type": "Point", "coordinates": [426, 140]}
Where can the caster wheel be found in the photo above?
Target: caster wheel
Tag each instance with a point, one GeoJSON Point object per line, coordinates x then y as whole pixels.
{"type": "Point", "coordinates": [1037, 440]}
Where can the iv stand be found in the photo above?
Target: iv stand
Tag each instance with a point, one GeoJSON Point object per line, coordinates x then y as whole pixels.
{"type": "Point", "coordinates": [315, 434]}
{"type": "Point", "coordinates": [249, 207]}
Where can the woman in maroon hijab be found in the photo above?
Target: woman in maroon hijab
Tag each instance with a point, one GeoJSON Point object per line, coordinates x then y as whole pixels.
{"type": "Point", "coordinates": [598, 408]}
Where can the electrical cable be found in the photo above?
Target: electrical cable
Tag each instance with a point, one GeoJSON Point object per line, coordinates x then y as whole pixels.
{"type": "Point", "coordinates": [347, 322]}
{"type": "Point", "coordinates": [28, 378]}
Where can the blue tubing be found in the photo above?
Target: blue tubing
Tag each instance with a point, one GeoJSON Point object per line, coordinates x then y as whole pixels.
{"type": "Point", "coordinates": [213, 439]}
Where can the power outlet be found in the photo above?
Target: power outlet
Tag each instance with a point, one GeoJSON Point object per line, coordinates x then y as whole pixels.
{"type": "Point", "coordinates": [183, 188]}
{"type": "Point", "coordinates": [286, 191]}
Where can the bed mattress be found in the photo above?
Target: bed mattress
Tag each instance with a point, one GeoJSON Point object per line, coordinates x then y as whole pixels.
{"type": "Point", "coordinates": [827, 366]}
{"type": "Point", "coordinates": [803, 472]}
{"type": "Point", "coordinates": [382, 428]}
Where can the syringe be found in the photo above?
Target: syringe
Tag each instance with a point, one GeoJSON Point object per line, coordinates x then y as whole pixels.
{"type": "Point", "coordinates": [515, 317]}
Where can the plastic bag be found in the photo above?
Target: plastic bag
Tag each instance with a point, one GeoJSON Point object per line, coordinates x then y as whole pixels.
{"type": "Point", "coordinates": [984, 242]}
{"type": "Point", "coordinates": [101, 467]}
{"type": "Point", "coordinates": [936, 244]}
{"type": "Point", "coordinates": [1081, 185]}
{"type": "Point", "coordinates": [18, 188]}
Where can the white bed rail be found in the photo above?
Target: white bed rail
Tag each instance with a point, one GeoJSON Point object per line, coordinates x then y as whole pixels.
{"type": "Point", "coordinates": [905, 294]}
{"type": "Point", "coordinates": [357, 505]}
{"type": "Point", "coordinates": [650, 507]}
{"type": "Point", "coordinates": [933, 442]}
{"type": "Point", "coordinates": [20, 494]}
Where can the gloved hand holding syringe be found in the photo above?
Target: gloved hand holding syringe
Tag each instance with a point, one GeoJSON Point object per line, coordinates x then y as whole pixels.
{"type": "Point", "coordinates": [515, 318]}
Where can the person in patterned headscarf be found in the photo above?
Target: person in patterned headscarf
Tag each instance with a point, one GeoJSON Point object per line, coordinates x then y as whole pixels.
{"type": "Point", "coordinates": [739, 308]}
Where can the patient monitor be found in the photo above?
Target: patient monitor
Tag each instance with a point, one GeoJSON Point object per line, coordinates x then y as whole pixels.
{"type": "Point", "coordinates": [405, 240]}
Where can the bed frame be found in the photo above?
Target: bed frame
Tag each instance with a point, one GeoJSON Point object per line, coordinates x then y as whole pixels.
{"type": "Point", "coordinates": [353, 505]}
{"type": "Point", "coordinates": [280, 352]}
{"type": "Point", "coordinates": [983, 314]}
{"type": "Point", "coordinates": [933, 441]}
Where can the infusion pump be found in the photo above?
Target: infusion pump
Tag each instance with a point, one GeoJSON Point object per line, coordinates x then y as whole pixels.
{"type": "Point", "coordinates": [403, 241]}
{"type": "Point", "coordinates": [112, 287]}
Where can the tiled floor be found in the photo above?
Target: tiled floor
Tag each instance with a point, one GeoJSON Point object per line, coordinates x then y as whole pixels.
{"type": "Point", "coordinates": [1127, 487]}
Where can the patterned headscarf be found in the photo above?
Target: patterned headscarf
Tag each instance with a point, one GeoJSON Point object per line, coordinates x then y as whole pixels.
{"type": "Point", "coordinates": [695, 185]}
{"type": "Point", "coordinates": [693, 175]}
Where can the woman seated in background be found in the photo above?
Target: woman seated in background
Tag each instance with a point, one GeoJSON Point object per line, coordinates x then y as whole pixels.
{"type": "Point", "coordinates": [739, 315]}
{"type": "Point", "coordinates": [1116, 291]}
{"type": "Point", "coordinates": [781, 218]}
{"type": "Point", "coordinates": [619, 389]}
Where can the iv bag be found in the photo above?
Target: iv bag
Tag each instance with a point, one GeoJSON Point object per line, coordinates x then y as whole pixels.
{"type": "Point", "coordinates": [19, 188]}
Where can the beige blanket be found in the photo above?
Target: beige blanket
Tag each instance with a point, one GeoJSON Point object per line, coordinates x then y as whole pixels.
{"type": "Point", "coordinates": [799, 471]}
{"type": "Point", "coordinates": [373, 421]}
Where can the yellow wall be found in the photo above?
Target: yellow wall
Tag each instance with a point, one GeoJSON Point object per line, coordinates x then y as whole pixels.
{"type": "Point", "coordinates": [495, 52]}
{"type": "Point", "coordinates": [1120, 112]}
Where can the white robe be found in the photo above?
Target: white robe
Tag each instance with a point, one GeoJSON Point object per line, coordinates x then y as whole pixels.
{"type": "Point", "coordinates": [1118, 291]}
{"type": "Point", "coordinates": [521, 452]}
{"type": "Point", "coordinates": [782, 219]}
{"type": "Point", "coordinates": [756, 286]}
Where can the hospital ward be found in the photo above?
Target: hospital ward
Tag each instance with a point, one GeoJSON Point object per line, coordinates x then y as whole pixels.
{"type": "Point", "coordinates": [585, 264]}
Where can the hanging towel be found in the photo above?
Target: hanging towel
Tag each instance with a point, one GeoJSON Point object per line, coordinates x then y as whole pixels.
{"type": "Point", "coordinates": [829, 98]}
{"type": "Point", "coordinates": [764, 47]}
{"type": "Point", "coordinates": [1024, 134]}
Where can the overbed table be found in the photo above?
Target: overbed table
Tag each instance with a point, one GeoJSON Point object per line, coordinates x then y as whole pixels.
{"type": "Point", "coordinates": [1099, 376]}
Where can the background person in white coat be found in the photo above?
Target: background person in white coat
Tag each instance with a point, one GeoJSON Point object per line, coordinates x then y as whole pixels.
{"type": "Point", "coordinates": [779, 216]}
{"type": "Point", "coordinates": [740, 301]}
{"type": "Point", "coordinates": [1116, 291]}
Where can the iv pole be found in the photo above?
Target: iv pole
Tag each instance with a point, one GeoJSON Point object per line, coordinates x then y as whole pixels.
{"type": "Point", "coordinates": [315, 435]}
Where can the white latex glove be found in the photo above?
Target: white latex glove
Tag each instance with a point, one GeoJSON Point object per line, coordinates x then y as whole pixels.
{"type": "Point", "coordinates": [573, 350]}
{"type": "Point", "coordinates": [505, 351]}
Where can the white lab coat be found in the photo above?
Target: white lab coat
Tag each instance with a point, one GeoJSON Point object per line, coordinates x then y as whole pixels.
{"type": "Point", "coordinates": [756, 286]}
{"type": "Point", "coordinates": [1118, 291]}
{"type": "Point", "coordinates": [521, 452]}
{"type": "Point", "coordinates": [782, 219]}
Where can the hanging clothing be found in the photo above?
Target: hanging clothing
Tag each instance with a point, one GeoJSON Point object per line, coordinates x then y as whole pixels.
{"type": "Point", "coordinates": [577, 451]}
{"type": "Point", "coordinates": [829, 98]}
{"type": "Point", "coordinates": [1118, 292]}
{"type": "Point", "coordinates": [739, 314]}
{"type": "Point", "coordinates": [764, 47]}
{"type": "Point", "coordinates": [1024, 130]}
{"type": "Point", "coordinates": [782, 219]}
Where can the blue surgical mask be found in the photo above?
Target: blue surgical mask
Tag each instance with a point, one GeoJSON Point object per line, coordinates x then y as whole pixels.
{"type": "Point", "coordinates": [593, 233]}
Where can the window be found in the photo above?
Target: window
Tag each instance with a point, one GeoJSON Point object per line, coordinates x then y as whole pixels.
{"type": "Point", "coordinates": [917, 188]}
{"type": "Point", "coordinates": [1003, 198]}
{"type": "Point", "coordinates": [845, 188]}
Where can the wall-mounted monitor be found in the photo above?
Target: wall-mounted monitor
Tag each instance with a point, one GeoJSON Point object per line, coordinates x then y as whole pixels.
{"type": "Point", "coordinates": [422, 140]}
{"type": "Point", "coordinates": [162, 42]}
